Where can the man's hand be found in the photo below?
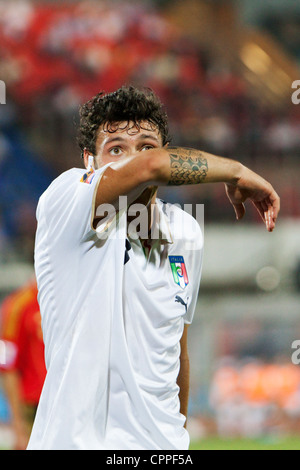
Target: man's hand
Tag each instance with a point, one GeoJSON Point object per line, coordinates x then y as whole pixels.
{"type": "Point", "coordinates": [261, 194]}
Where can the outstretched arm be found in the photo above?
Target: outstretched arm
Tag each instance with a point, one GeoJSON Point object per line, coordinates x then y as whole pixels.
{"type": "Point", "coordinates": [174, 166]}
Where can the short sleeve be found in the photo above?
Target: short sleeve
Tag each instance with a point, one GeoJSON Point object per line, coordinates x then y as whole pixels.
{"type": "Point", "coordinates": [66, 210]}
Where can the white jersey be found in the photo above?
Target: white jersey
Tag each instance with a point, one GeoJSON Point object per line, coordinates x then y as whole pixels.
{"type": "Point", "coordinates": [113, 312]}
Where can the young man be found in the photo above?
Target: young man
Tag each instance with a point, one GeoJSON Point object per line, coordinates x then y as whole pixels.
{"type": "Point", "coordinates": [115, 297]}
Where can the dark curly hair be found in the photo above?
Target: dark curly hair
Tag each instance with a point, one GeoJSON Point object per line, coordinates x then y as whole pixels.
{"type": "Point", "coordinates": [127, 104]}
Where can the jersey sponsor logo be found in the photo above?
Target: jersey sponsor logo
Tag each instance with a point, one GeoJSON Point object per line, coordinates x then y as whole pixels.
{"type": "Point", "coordinates": [88, 177]}
{"type": "Point", "coordinates": [179, 271]}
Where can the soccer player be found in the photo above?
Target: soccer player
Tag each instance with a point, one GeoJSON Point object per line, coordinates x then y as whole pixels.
{"type": "Point", "coordinates": [117, 293]}
{"type": "Point", "coordinates": [24, 370]}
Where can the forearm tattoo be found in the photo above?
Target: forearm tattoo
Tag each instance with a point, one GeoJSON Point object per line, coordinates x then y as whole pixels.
{"type": "Point", "coordinates": [188, 166]}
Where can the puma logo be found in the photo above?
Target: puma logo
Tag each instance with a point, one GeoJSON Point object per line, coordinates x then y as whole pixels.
{"type": "Point", "coordinates": [181, 301]}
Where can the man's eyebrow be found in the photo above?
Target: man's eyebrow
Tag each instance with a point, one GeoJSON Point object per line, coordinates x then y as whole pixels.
{"type": "Point", "coordinates": [148, 136]}
{"type": "Point", "coordinates": [140, 137]}
{"type": "Point", "coordinates": [115, 139]}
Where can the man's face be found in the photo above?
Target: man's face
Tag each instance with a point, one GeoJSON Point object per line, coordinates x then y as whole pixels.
{"type": "Point", "coordinates": [124, 140]}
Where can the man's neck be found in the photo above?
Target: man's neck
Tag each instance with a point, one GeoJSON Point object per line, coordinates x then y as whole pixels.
{"type": "Point", "coordinates": [147, 199]}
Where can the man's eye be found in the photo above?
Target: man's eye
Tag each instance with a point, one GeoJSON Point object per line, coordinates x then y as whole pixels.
{"type": "Point", "coordinates": [115, 151]}
{"type": "Point", "coordinates": [147, 147]}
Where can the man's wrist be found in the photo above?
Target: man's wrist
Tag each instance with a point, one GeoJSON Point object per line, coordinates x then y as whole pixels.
{"type": "Point", "coordinates": [235, 172]}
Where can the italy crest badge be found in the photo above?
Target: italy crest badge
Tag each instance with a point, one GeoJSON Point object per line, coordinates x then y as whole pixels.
{"type": "Point", "coordinates": [179, 271]}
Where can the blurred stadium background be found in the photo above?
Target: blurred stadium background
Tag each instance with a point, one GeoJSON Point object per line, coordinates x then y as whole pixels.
{"type": "Point", "coordinates": [224, 70]}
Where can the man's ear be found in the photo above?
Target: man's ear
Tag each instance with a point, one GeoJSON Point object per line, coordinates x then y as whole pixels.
{"type": "Point", "coordinates": [86, 157]}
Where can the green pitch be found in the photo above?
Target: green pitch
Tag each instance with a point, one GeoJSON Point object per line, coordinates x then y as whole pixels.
{"type": "Point", "coordinates": [215, 443]}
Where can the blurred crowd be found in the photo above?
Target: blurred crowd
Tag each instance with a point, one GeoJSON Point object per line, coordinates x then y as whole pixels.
{"type": "Point", "coordinates": [251, 398]}
{"type": "Point", "coordinates": [248, 398]}
{"type": "Point", "coordinates": [55, 56]}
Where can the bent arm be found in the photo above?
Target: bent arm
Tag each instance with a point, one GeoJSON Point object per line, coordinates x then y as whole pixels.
{"type": "Point", "coordinates": [161, 167]}
{"type": "Point", "coordinates": [174, 166]}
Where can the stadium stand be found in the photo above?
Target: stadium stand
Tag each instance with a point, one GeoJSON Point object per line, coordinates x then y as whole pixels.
{"type": "Point", "coordinates": [56, 55]}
